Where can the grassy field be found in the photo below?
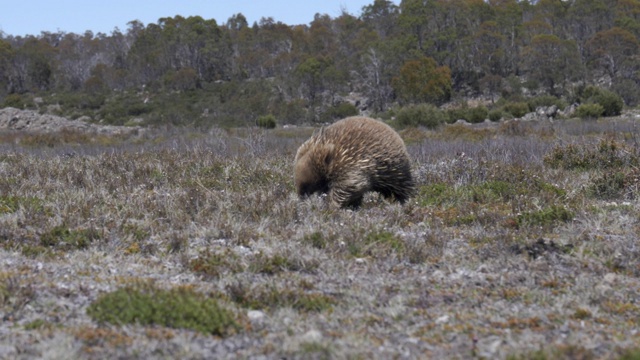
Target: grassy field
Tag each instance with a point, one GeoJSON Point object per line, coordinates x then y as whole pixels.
{"type": "Point", "coordinates": [521, 243]}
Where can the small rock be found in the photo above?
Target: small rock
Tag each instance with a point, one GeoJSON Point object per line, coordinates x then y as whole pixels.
{"type": "Point", "coordinates": [255, 315]}
{"type": "Point", "coordinates": [442, 319]}
{"type": "Point", "coordinates": [311, 336]}
{"type": "Point", "coordinates": [610, 278]}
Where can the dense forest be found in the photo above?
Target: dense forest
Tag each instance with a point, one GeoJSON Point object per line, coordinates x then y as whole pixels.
{"type": "Point", "coordinates": [201, 72]}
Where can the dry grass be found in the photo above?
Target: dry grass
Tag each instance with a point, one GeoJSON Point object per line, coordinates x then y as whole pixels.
{"type": "Point", "coordinates": [504, 253]}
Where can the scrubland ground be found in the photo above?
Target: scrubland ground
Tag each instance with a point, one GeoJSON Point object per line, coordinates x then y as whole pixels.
{"type": "Point", "coordinates": [521, 242]}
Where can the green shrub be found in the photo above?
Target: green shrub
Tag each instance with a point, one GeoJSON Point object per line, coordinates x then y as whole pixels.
{"type": "Point", "coordinates": [179, 308]}
{"type": "Point", "coordinates": [212, 265]}
{"type": "Point", "coordinates": [611, 102]}
{"type": "Point", "coordinates": [79, 101]}
{"type": "Point", "coordinates": [545, 217]}
{"type": "Point", "coordinates": [589, 111]}
{"type": "Point", "coordinates": [316, 240]}
{"type": "Point", "coordinates": [339, 111]}
{"type": "Point", "coordinates": [426, 115]}
{"type": "Point", "coordinates": [495, 115]}
{"type": "Point", "coordinates": [278, 263]}
{"type": "Point", "coordinates": [17, 101]}
{"type": "Point", "coordinates": [616, 184]}
{"type": "Point", "coordinates": [119, 110]}
{"type": "Point", "coordinates": [516, 109]}
{"type": "Point", "coordinates": [629, 90]}
{"type": "Point", "coordinates": [454, 115]}
{"type": "Point", "coordinates": [608, 186]}
{"type": "Point", "coordinates": [477, 114]}
{"type": "Point", "coordinates": [69, 239]}
{"type": "Point", "coordinates": [266, 121]}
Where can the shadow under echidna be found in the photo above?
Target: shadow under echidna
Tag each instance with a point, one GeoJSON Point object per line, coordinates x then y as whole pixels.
{"type": "Point", "coordinates": [351, 157]}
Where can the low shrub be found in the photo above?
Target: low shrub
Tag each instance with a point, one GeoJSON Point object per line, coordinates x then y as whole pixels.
{"type": "Point", "coordinates": [339, 111]}
{"type": "Point", "coordinates": [266, 121]}
{"type": "Point", "coordinates": [616, 184]}
{"type": "Point", "coordinates": [516, 109]}
{"type": "Point", "coordinates": [611, 102]}
{"type": "Point", "coordinates": [545, 217]}
{"type": "Point", "coordinates": [608, 186]}
{"type": "Point", "coordinates": [606, 154]}
{"type": "Point", "coordinates": [629, 90]}
{"type": "Point", "coordinates": [213, 265]}
{"type": "Point", "coordinates": [18, 101]}
{"type": "Point", "coordinates": [68, 239]}
{"type": "Point", "coordinates": [425, 115]}
{"type": "Point", "coordinates": [495, 115]}
{"type": "Point", "coordinates": [589, 111]}
{"type": "Point", "coordinates": [473, 115]}
{"type": "Point", "coordinates": [179, 308]}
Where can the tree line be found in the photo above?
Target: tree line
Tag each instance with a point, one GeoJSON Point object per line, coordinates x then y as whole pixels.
{"type": "Point", "coordinates": [199, 71]}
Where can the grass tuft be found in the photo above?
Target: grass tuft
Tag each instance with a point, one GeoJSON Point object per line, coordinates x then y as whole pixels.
{"type": "Point", "coordinates": [180, 308]}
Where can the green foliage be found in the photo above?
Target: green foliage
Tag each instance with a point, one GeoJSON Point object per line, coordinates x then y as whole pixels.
{"type": "Point", "coordinates": [315, 74]}
{"type": "Point", "coordinates": [316, 240]}
{"type": "Point", "coordinates": [610, 102]}
{"type": "Point", "coordinates": [63, 237]}
{"type": "Point", "coordinates": [278, 263]}
{"type": "Point", "coordinates": [631, 354]}
{"type": "Point", "coordinates": [215, 264]}
{"type": "Point", "coordinates": [37, 324]}
{"type": "Point", "coordinates": [18, 101]}
{"type": "Point", "coordinates": [616, 183]}
{"type": "Point", "coordinates": [545, 217]}
{"type": "Point", "coordinates": [545, 100]}
{"type": "Point", "coordinates": [476, 114]}
{"type": "Point", "coordinates": [589, 111]}
{"type": "Point", "coordinates": [425, 115]}
{"type": "Point", "coordinates": [381, 55]}
{"type": "Point", "coordinates": [14, 295]}
{"type": "Point", "coordinates": [516, 109]}
{"type": "Point", "coordinates": [266, 121]}
{"type": "Point", "coordinates": [423, 81]}
{"type": "Point", "coordinates": [180, 308]}
{"type": "Point", "coordinates": [11, 204]}
{"type": "Point", "coordinates": [375, 243]}
{"type": "Point", "coordinates": [495, 115]}
{"type": "Point", "coordinates": [435, 194]}
{"type": "Point", "coordinates": [488, 192]}
{"type": "Point", "coordinates": [72, 102]}
{"type": "Point", "coordinates": [339, 111]}
{"type": "Point", "coordinates": [608, 186]}
{"type": "Point", "coordinates": [629, 90]}
{"type": "Point", "coordinates": [120, 110]}
{"type": "Point", "coordinates": [182, 80]}
{"type": "Point", "coordinates": [552, 60]}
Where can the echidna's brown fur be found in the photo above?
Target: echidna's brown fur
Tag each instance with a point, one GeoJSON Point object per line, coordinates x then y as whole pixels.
{"type": "Point", "coordinates": [351, 157]}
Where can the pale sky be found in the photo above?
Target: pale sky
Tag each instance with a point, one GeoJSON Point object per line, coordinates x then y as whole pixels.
{"type": "Point", "coordinates": [30, 17]}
